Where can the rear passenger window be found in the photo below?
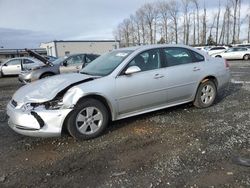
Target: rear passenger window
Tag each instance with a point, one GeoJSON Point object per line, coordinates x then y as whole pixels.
{"type": "Point", "coordinates": [177, 56]}
{"type": "Point", "coordinates": [198, 57]}
{"type": "Point", "coordinates": [27, 61]}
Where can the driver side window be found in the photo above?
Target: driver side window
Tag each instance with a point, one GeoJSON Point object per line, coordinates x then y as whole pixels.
{"type": "Point", "coordinates": [148, 60]}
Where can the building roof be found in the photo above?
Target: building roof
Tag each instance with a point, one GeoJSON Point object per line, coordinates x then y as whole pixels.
{"type": "Point", "coordinates": [17, 51]}
{"type": "Point", "coordinates": [57, 41]}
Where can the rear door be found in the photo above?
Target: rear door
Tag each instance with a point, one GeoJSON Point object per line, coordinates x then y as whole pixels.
{"type": "Point", "coordinates": [183, 73]}
{"type": "Point", "coordinates": [12, 67]}
{"type": "Point", "coordinates": [27, 64]}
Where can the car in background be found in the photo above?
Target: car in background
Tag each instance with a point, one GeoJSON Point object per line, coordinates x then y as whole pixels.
{"type": "Point", "coordinates": [235, 53]}
{"type": "Point", "coordinates": [123, 83]}
{"type": "Point", "coordinates": [244, 45]}
{"type": "Point", "coordinates": [217, 49]}
{"type": "Point", "coordinates": [14, 66]}
{"type": "Point", "coordinates": [203, 48]}
{"type": "Point", "coordinates": [67, 64]}
{"type": "Point", "coordinates": [51, 58]}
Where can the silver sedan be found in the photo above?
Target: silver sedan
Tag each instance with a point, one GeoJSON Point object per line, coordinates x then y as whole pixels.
{"type": "Point", "coordinates": [120, 84]}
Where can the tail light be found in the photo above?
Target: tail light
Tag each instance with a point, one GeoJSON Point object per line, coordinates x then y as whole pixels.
{"type": "Point", "coordinates": [226, 64]}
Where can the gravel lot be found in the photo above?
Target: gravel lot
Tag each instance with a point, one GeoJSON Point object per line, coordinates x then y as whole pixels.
{"type": "Point", "coordinates": [177, 147]}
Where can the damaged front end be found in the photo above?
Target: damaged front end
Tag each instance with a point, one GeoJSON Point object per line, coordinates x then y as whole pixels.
{"type": "Point", "coordinates": [41, 118]}
{"type": "Point", "coordinates": [33, 119]}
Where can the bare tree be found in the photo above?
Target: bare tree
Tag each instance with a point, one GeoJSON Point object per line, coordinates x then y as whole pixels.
{"type": "Point", "coordinates": [217, 23]}
{"type": "Point", "coordinates": [124, 29]}
{"type": "Point", "coordinates": [186, 22]}
{"type": "Point", "coordinates": [239, 21]}
{"type": "Point", "coordinates": [163, 9]}
{"type": "Point", "coordinates": [173, 13]}
{"type": "Point", "coordinates": [204, 25]}
{"type": "Point", "coordinates": [197, 6]}
{"type": "Point", "coordinates": [248, 33]}
{"type": "Point", "coordinates": [235, 6]}
{"type": "Point", "coordinates": [212, 25]}
{"type": "Point", "coordinates": [140, 17]}
{"type": "Point", "coordinates": [149, 15]}
{"type": "Point", "coordinates": [194, 29]}
{"type": "Point", "coordinates": [135, 19]}
{"type": "Point", "coordinates": [222, 34]}
{"type": "Point", "coordinates": [228, 24]}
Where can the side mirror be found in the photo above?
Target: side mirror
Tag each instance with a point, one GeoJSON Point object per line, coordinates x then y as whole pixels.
{"type": "Point", "coordinates": [132, 70]}
{"type": "Point", "coordinates": [65, 63]}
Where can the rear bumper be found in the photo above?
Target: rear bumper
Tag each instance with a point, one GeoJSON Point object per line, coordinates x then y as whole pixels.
{"type": "Point", "coordinates": [224, 80]}
{"type": "Point", "coordinates": [37, 123]}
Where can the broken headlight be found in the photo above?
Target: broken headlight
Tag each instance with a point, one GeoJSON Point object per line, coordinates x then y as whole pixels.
{"type": "Point", "coordinates": [27, 107]}
{"type": "Point", "coordinates": [50, 105]}
{"type": "Point", "coordinates": [53, 105]}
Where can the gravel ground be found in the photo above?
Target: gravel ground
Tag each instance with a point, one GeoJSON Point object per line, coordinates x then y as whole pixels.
{"type": "Point", "coordinates": [176, 147]}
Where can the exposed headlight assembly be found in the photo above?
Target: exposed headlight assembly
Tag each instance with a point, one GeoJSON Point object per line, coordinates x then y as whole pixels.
{"type": "Point", "coordinates": [27, 107]}
{"type": "Point", "coordinates": [50, 105]}
{"type": "Point", "coordinates": [53, 105]}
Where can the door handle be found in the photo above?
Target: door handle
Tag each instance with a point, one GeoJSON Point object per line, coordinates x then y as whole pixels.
{"type": "Point", "coordinates": [196, 69]}
{"type": "Point", "coordinates": [157, 76]}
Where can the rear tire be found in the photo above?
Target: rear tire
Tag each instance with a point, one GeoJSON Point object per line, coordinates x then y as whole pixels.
{"type": "Point", "coordinates": [205, 95]}
{"type": "Point", "coordinates": [88, 120]}
{"type": "Point", "coordinates": [246, 57]}
{"type": "Point", "coordinates": [45, 75]}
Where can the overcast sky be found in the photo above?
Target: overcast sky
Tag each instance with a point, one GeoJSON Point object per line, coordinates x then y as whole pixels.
{"type": "Point", "coordinates": [27, 23]}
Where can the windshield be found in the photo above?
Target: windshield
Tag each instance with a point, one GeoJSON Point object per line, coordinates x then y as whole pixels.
{"type": "Point", "coordinates": [58, 61]}
{"type": "Point", "coordinates": [106, 63]}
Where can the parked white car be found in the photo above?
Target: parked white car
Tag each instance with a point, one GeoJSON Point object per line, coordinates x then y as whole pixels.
{"type": "Point", "coordinates": [235, 53]}
{"type": "Point", "coordinates": [216, 50]}
{"type": "Point", "coordinates": [14, 66]}
{"type": "Point", "coordinates": [203, 48]}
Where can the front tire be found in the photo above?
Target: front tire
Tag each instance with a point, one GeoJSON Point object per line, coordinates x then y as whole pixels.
{"type": "Point", "coordinates": [88, 120]}
{"type": "Point", "coordinates": [205, 95]}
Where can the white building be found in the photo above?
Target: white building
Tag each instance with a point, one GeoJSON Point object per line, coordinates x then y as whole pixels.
{"type": "Point", "coordinates": [66, 47]}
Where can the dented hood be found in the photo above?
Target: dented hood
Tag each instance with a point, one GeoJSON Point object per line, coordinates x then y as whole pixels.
{"type": "Point", "coordinates": [47, 89]}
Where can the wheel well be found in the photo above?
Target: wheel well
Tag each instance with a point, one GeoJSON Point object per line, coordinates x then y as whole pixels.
{"type": "Point", "coordinates": [212, 78]}
{"type": "Point", "coordinates": [97, 97]}
{"type": "Point", "coordinates": [47, 73]}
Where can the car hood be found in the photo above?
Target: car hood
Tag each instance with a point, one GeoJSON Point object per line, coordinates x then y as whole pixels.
{"type": "Point", "coordinates": [48, 88]}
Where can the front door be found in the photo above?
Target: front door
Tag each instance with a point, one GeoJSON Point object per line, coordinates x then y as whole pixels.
{"type": "Point", "coordinates": [12, 67]}
{"type": "Point", "coordinates": [142, 90]}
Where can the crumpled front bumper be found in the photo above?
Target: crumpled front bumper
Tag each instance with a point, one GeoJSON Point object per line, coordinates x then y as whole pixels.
{"type": "Point", "coordinates": [37, 123]}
